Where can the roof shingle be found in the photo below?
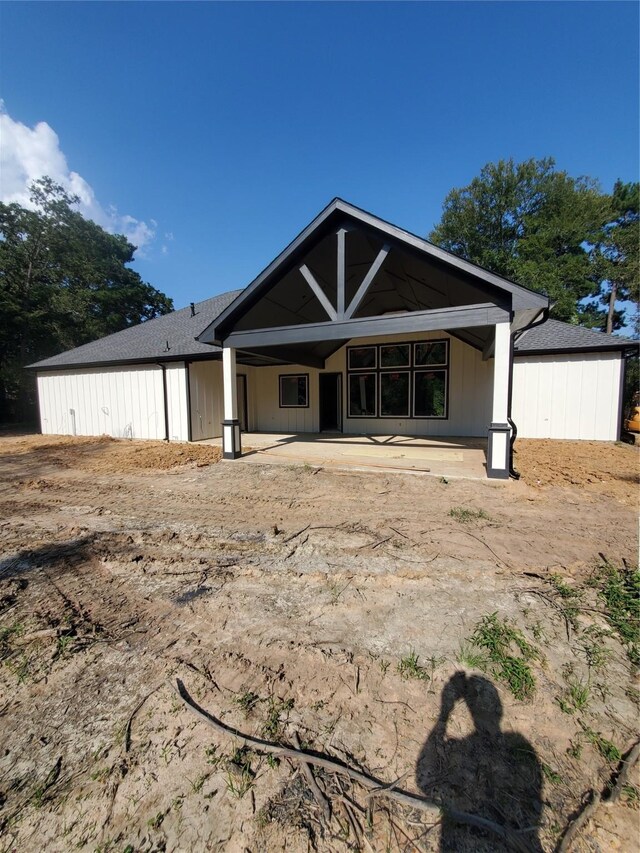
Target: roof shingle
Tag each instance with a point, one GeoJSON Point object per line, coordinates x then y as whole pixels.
{"type": "Point", "coordinates": [555, 336]}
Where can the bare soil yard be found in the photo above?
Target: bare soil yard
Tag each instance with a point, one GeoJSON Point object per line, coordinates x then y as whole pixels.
{"type": "Point", "coordinates": [465, 640]}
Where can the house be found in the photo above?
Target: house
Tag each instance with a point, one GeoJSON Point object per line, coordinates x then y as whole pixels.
{"type": "Point", "coordinates": [357, 326]}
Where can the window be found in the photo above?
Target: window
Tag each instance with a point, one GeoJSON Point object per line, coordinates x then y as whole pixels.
{"type": "Point", "coordinates": [430, 393]}
{"type": "Point", "coordinates": [294, 391]}
{"type": "Point", "coordinates": [396, 355]}
{"type": "Point", "coordinates": [362, 395]}
{"type": "Point", "coordinates": [398, 380]}
{"type": "Point", "coordinates": [362, 358]}
{"type": "Point", "coordinates": [394, 394]}
{"type": "Point", "coordinates": [430, 352]}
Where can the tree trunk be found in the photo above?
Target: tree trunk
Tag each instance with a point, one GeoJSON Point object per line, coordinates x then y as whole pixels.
{"type": "Point", "coordinates": [612, 307]}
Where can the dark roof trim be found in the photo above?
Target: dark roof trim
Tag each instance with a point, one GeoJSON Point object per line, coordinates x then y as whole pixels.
{"type": "Point", "coordinates": [216, 355]}
{"type": "Point", "coordinates": [521, 296]}
{"type": "Point", "coordinates": [570, 350]}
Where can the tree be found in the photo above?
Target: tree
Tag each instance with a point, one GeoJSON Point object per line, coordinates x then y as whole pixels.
{"type": "Point", "coordinates": [532, 224]}
{"type": "Point", "coordinates": [64, 281]}
{"type": "Point", "coordinates": [616, 254]}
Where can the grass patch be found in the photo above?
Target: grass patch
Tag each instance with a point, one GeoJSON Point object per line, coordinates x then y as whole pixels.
{"type": "Point", "coordinates": [409, 667]}
{"type": "Point", "coordinates": [465, 515]}
{"type": "Point", "coordinates": [619, 590]}
{"type": "Point", "coordinates": [272, 727]}
{"type": "Point", "coordinates": [240, 774]}
{"type": "Point", "coordinates": [247, 701]}
{"type": "Point", "coordinates": [504, 651]}
{"type": "Point", "coordinates": [605, 747]}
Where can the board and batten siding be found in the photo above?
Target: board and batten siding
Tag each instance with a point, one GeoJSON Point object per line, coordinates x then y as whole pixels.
{"type": "Point", "coordinates": [470, 395]}
{"type": "Point", "coordinates": [571, 396]}
{"type": "Point", "coordinates": [123, 402]}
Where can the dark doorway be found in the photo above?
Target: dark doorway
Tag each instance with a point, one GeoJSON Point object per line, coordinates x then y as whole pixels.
{"type": "Point", "coordinates": [241, 381]}
{"type": "Point", "coordinates": [330, 402]}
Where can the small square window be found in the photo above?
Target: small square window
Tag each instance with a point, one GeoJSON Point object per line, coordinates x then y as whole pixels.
{"type": "Point", "coordinates": [394, 394]}
{"type": "Point", "coordinates": [362, 395]}
{"type": "Point", "coordinates": [396, 355]}
{"type": "Point", "coordinates": [431, 352]}
{"type": "Point", "coordinates": [294, 391]}
{"type": "Point", "coordinates": [362, 358]}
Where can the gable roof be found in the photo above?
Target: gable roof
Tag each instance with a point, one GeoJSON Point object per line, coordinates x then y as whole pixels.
{"type": "Point", "coordinates": [147, 342]}
{"type": "Point", "coordinates": [338, 213]}
{"type": "Point", "coordinates": [556, 336]}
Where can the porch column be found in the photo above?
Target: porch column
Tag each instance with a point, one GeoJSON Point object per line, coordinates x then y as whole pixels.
{"type": "Point", "coordinates": [231, 447]}
{"type": "Point", "coordinates": [500, 431]}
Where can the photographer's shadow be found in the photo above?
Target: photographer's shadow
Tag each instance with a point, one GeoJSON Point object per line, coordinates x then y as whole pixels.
{"type": "Point", "coordinates": [489, 773]}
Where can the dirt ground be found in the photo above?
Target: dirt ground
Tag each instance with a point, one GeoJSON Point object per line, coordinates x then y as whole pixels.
{"type": "Point", "coordinates": [344, 608]}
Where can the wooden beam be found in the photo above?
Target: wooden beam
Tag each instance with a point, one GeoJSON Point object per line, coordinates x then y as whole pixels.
{"type": "Point", "coordinates": [488, 349]}
{"type": "Point", "coordinates": [485, 314]}
{"type": "Point", "coordinates": [367, 282]}
{"type": "Point", "coordinates": [319, 292]}
{"type": "Point", "coordinates": [341, 272]}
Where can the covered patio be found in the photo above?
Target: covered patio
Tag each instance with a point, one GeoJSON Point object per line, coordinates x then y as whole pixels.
{"type": "Point", "coordinates": [442, 457]}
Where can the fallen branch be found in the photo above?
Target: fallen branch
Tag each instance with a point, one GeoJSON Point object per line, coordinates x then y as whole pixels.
{"type": "Point", "coordinates": [574, 828]}
{"type": "Point", "coordinates": [628, 764]}
{"type": "Point", "coordinates": [127, 733]}
{"type": "Point", "coordinates": [335, 766]}
{"type": "Point", "coordinates": [320, 798]}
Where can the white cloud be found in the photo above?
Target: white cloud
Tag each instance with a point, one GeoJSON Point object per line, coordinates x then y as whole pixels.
{"type": "Point", "coordinates": [29, 153]}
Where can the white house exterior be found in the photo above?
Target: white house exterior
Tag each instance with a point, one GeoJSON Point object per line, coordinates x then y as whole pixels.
{"type": "Point", "coordinates": [357, 327]}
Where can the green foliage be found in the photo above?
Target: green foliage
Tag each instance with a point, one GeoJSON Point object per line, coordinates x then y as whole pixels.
{"type": "Point", "coordinates": [64, 281]}
{"type": "Point", "coordinates": [606, 749]}
{"type": "Point", "coordinates": [508, 654]}
{"type": "Point", "coordinates": [548, 231]}
{"type": "Point", "coordinates": [247, 701]}
{"type": "Point", "coordinates": [409, 667]}
{"type": "Point", "coordinates": [272, 727]}
{"type": "Point", "coordinates": [619, 589]}
{"type": "Point", "coordinates": [465, 514]}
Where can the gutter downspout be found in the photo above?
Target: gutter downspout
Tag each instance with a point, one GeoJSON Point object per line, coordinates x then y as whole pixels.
{"type": "Point", "coordinates": [163, 367]}
{"type": "Point", "coordinates": [514, 429]}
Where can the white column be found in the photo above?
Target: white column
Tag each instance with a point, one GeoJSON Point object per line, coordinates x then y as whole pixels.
{"type": "Point", "coordinates": [231, 448]}
{"type": "Point", "coordinates": [501, 368]}
{"type": "Point", "coordinates": [500, 431]}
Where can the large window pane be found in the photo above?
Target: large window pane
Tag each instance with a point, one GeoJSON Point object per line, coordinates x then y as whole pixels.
{"type": "Point", "coordinates": [294, 391]}
{"type": "Point", "coordinates": [430, 394]}
{"type": "Point", "coordinates": [362, 358]}
{"type": "Point", "coordinates": [431, 352]}
{"type": "Point", "coordinates": [362, 395]}
{"type": "Point", "coordinates": [395, 355]}
{"type": "Point", "coordinates": [394, 394]}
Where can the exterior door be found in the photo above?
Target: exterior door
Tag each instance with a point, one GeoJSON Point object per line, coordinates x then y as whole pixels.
{"type": "Point", "coordinates": [330, 402]}
{"type": "Point", "coordinates": [241, 380]}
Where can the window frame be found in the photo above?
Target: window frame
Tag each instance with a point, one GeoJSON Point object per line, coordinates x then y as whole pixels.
{"type": "Point", "coordinates": [372, 373]}
{"type": "Point", "coordinates": [412, 369]}
{"type": "Point", "coordinates": [282, 376]}
{"type": "Point", "coordinates": [438, 369]}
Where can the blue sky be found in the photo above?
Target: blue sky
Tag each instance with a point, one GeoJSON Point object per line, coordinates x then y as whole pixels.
{"type": "Point", "coordinates": [215, 132]}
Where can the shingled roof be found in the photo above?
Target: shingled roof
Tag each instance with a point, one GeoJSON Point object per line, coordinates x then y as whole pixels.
{"type": "Point", "coordinates": [148, 341]}
{"type": "Point", "coordinates": [555, 336]}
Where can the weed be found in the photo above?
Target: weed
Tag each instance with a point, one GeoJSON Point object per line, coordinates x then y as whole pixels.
{"type": "Point", "coordinates": [247, 701]}
{"type": "Point", "coordinates": [575, 750]}
{"type": "Point", "coordinates": [633, 694]}
{"type": "Point", "coordinates": [21, 667]}
{"type": "Point", "coordinates": [63, 644]}
{"type": "Point", "coordinates": [465, 515]}
{"type": "Point", "coordinates": [15, 630]}
{"type": "Point", "coordinates": [198, 782]}
{"type": "Point", "coordinates": [156, 822]}
{"type": "Point", "coordinates": [273, 724]}
{"type": "Point", "coordinates": [444, 481]}
{"type": "Point", "coordinates": [211, 753]}
{"type": "Point", "coordinates": [596, 653]}
{"type": "Point", "coordinates": [240, 774]}
{"type": "Point", "coordinates": [497, 638]}
{"type": "Point", "coordinates": [384, 666]}
{"type": "Point", "coordinates": [471, 658]}
{"type": "Point", "coordinates": [630, 795]}
{"type": "Point", "coordinates": [408, 667]}
{"type": "Point", "coordinates": [272, 761]}
{"type": "Point", "coordinates": [551, 774]}
{"type": "Point", "coordinates": [606, 749]}
{"type": "Point", "coordinates": [575, 699]}
{"type": "Point", "coordinates": [619, 589]}
{"type": "Point", "coordinates": [570, 599]}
